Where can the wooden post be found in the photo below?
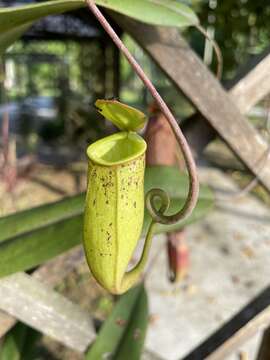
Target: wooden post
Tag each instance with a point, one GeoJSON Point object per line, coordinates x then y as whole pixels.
{"type": "Point", "coordinates": [250, 85]}
{"type": "Point", "coordinates": [51, 274]}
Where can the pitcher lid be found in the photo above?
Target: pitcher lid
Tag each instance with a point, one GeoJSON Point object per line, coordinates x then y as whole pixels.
{"type": "Point", "coordinates": [125, 117]}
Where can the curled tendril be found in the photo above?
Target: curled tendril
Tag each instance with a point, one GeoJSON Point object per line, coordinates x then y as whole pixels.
{"type": "Point", "coordinates": [157, 214]}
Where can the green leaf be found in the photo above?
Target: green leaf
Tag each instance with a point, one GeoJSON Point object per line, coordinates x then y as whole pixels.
{"type": "Point", "coordinates": [41, 216]}
{"type": "Point", "coordinates": [14, 21]}
{"type": "Point", "coordinates": [31, 237]}
{"type": "Point", "coordinates": [7, 38]}
{"type": "Point", "coordinates": [11, 17]}
{"type": "Point", "coordinates": [13, 343]}
{"type": "Point", "coordinates": [132, 343]}
{"type": "Point", "coordinates": [19, 343]}
{"type": "Point", "coordinates": [123, 333]}
{"type": "Point", "coordinates": [173, 181]}
{"type": "Point", "coordinates": [156, 12]}
{"type": "Point", "coordinates": [28, 250]}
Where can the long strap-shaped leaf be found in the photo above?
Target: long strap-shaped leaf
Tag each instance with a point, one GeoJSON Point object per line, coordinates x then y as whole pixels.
{"type": "Point", "coordinates": [19, 343]}
{"type": "Point", "coordinates": [41, 216]}
{"type": "Point", "coordinates": [10, 36]}
{"type": "Point", "coordinates": [123, 333]}
{"type": "Point", "coordinates": [165, 12]}
{"type": "Point", "coordinates": [15, 20]}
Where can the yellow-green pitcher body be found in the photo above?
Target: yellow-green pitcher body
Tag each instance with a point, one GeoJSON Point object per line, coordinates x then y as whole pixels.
{"type": "Point", "coordinates": [114, 210]}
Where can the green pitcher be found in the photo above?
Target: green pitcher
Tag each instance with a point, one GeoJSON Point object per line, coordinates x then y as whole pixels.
{"type": "Point", "coordinates": [114, 210]}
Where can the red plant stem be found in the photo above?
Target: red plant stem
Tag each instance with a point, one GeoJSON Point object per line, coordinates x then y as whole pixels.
{"type": "Point", "coordinates": [190, 163]}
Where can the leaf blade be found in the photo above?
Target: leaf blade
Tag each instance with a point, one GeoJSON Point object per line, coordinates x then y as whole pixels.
{"type": "Point", "coordinates": [14, 20]}
{"type": "Point", "coordinates": [13, 343]}
{"type": "Point", "coordinates": [155, 12]}
{"type": "Point", "coordinates": [28, 250]}
{"type": "Point", "coordinates": [19, 343]}
{"type": "Point", "coordinates": [32, 219]}
{"type": "Point", "coordinates": [110, 338]}
{"type": "Point", "coordinates": [7, 38]}
{"type": "Point", "coordinates": [11, 17]}
{"type": "Point", "coordinates": [133, 340]}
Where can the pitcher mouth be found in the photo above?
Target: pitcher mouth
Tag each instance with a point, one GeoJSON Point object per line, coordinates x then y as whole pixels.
{"type": "Point", "coordinates": [116, 149]}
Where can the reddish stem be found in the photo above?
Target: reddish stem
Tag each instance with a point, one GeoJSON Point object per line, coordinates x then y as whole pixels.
{"type": "Point", "coordinates": [190, 163]}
